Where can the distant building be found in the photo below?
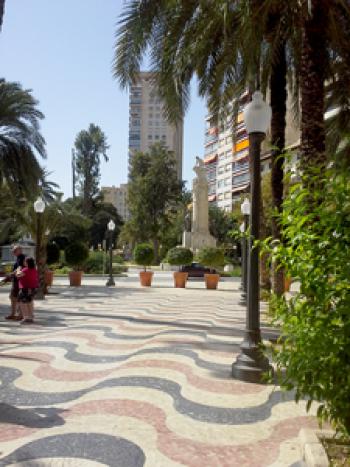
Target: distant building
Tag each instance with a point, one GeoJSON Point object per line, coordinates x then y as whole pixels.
{"type": "Point", "coordinates": [147, 122]}
{"type": "Point", "coordinates": [226, 156]}
{"type": "Point", "coordinates": [118, 197]}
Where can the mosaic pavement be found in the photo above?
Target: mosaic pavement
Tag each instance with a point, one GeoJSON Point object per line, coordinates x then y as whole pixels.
{"type": "Point", "coordinates": [131, 377]}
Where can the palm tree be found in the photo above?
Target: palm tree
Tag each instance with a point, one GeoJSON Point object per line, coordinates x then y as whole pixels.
{"type": "Point", "coordinates": [20, 139]}
{"type": "Point", "coordinates": [90, 146]}
{"type": "Point", "coordinates": [2, 10]}
{"type": "Point", "coordinates": [226, 45]}
{"type": "Point", "coordinates": [224, 63]}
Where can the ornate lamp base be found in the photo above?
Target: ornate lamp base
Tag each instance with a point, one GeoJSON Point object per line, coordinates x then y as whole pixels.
{"type": "Point", "coordinates": [110, 282]}
{"type": "Point", "coordinates": [251, 364]}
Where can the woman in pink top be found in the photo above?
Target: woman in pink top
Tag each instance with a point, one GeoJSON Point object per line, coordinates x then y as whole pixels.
{"type": "Point", "coordinates": [28, 283]}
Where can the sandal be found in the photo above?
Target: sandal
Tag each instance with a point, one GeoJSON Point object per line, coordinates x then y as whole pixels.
{"type": "Point", "coordinates": [18, 318]}
{"type": "Point", "coordinates": [11, 317]}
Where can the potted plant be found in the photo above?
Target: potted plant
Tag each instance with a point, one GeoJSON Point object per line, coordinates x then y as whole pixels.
{"type": "Point", "coordinates": [52, 257]}
{"type": "Point", "coordinates": [213, 258]}
{"type": "Point", "coordinates": [180, 256]}
{"type": "Point", "coordinates": [76, 254]}
{"type": "Point", "coordinates": [143, 256]}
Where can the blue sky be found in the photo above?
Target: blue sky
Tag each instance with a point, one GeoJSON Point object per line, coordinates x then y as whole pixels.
{"type": "Point", "coordinates": [63, 51]}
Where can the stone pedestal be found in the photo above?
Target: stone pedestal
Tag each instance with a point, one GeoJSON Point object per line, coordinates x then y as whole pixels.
{"type": "Point", "coordinates": [199, 237]}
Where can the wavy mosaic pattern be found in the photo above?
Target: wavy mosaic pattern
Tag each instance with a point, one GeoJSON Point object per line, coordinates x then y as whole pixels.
{"type": "Point", "coordinates": [131, 377]}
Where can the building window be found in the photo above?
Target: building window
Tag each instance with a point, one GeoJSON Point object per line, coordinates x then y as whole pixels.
{"type": "Point", "coordinates": [227, 195]}
{"type": "Point", "coordinates": [164, 137]}
{"type": "Point", "coordinates": [156, 137]}
{"type": "Point", "coordinates": [228, 181]}
{"type": "Point", "coordinates": [220, 197]}
{"type": "Point", "coordinates": [227, 167]}
{"type": "Point", "coordinates": [150, 137]}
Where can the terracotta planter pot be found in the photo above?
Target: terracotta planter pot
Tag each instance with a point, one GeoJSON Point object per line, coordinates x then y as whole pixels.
{"type": "Point", "coordinates": [211, 280]}
{"type": "Point", "coordinates": [287, 283]}
{"type": "Point", "coordinates": [48, 278]}
{"type": "Point", "coordinates": [75, 278]}
{"type": "Point", "coordinates": [180, 279]}
{"type": "Point", "coordinates": [146, 278]}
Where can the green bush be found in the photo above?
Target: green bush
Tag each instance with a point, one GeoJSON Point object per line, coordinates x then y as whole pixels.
{"type": "Point", "coordinates": [143, 254]}
{"type": "Point", "coordinates": [52, 253]}
{"type": "Point", "coordinates": [118, 259]}
{"type": "Point", "coordinates": [313, 355]}
{"type": "Point", "coordinates": [76, 255]}
{"type": "Point", "coordinates": [179, 256]}
{"type": "Point", "coordinates": [211, 257]}
{"type": "Point", "coordinates": [94, 263]}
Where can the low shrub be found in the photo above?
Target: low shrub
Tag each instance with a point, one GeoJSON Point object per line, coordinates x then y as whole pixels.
{"type": "Point", "coordinates": [76, 255]}
{"type": "Point", "coordinates": [179, 256]}
{"type": "Point", "coordinates": [143, 254]}
{"type": "Point", "coordinates": [211, 257]}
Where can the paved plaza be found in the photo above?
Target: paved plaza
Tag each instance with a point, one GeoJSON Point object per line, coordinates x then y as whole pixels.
{"type": "Point", "coordinates": [131, 377]}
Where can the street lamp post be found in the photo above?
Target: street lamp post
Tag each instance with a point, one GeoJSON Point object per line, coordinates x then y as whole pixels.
{"type": "Point", "coordinates": [111, 227]}
{"type": "Point", "coordinates": [245, 209]}
{"type": "Point", "coordinates": [251, 363]}
{"type": "Point", "coordinates": [39, 208]}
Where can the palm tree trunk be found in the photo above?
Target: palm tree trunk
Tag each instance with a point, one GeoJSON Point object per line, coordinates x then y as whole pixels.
{"type": "Point", "coordinates": [312, 83]}
{"type": "Point", "coordinates": [278, 100]}
{"type": "Point", "coordinates": [2, 10]}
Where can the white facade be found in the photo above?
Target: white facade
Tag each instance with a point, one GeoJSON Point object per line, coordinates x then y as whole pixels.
{"type": "Point", "coordinates": [147, 122]}
{"type": "Point", "coordinates": [118, 197]}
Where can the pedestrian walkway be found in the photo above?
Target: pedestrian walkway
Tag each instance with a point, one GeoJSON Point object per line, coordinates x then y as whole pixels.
{"type": "Point", "coordinates": [131, 377]}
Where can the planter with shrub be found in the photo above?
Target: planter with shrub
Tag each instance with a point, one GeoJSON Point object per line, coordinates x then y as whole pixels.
{"type": "Point", "coordinates": [52, 257]}
{"type": "Point", "coordinates": [76, 255]}
{"type": "Point", "coordinates": [143, 256]}
{"type": "Point", "coordinates": [213, 258]}
{"type": "Point", "coordinates": [180, 256]}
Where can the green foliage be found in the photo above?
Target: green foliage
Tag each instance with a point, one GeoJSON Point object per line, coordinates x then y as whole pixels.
{"type": "Point", "coordinates": [52, 253]}
{"type": "Point", "coordinates": [314, 349]}
{"type": "Point", "coordinates": [98, 231]}
{"type": "Point", "coordinates": [221, 223]}
{"type": "Point", "coordinates": [76, 255]}
{"type": "Point", "coordinates": [211, 257]}
{"type": "Point", "coordinates": [90, 146]}
{"type": "Point", "coordinates": [143, 254]}
{"type": "Point", "coordinates": [21, 141]}
{"type": "Point", "coordinates": [154, 194]}
{"type": "Point", "coordinates": [179, 256]}
{"type": "Point", "coordinates": [94, 263]}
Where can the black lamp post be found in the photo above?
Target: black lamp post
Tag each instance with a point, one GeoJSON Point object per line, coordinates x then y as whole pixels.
{"type": "Point", "coordinates": [245, 209]}
{"type": "Point", "coordinates": [39, 208]}
{"type": "Point", "coordinates": [251, 363]}
{"type": "Point", "coordinates": [111, 227]}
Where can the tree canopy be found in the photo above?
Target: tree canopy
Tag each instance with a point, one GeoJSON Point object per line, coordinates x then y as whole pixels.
{"type": "Point", "coordinates": [90, 145]}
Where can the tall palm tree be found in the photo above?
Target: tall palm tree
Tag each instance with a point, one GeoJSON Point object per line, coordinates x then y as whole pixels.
{"type": "Point", "coordinates": [90, 145]}
{"type": "Point", "coordinates": [2, 10]}
{"type": "Point", "coordinates": [20, 139]}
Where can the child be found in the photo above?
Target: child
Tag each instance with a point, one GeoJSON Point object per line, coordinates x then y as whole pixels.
{"type": "Point", "coordinates": [28, 283]}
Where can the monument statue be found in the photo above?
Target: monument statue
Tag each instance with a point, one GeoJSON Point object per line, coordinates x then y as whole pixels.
{"type": "Point", "coordinates": [199, 236]}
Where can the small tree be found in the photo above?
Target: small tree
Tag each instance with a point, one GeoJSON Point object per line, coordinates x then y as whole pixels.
{"type": "Point", "coordinates": [76, 254]}
{"type": "Point", "coordinates": [179, 256]}
{"type": "Point", "coordinates": [144, 254]}
{"type": "Point", "coordinates": [211, 257]}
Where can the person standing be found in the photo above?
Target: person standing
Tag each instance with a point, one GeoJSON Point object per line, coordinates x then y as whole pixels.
{"type": "Point", "coordinates": [28, 281]}
{"type": "Point", "coordinates": [19, 263]}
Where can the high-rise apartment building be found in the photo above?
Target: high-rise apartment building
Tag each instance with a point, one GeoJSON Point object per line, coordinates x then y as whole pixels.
{"type": "Point", "coordinates": [226, 157]}
{"type": "Point", "coordinates": [147, 121]}
{"type": "Point", "coordinates": [118, 197]}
